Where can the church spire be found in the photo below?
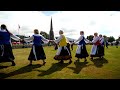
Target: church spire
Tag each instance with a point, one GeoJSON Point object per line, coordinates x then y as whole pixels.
{"type": "Point", "coordinates": [51, 26]}
{"type": "Point", "coordinates": [51, 33]}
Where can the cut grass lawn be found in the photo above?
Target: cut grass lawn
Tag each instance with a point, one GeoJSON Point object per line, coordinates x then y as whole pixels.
{"type": "Point", "coordinates": [108, 68]}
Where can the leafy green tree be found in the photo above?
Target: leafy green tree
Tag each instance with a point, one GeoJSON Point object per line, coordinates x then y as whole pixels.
{"type": "Point", "coordinates": [111, 39]}
{"type": "Point", "coordinates": [44, 34]}
{"type": "Point", "coordinates": [90, 37]}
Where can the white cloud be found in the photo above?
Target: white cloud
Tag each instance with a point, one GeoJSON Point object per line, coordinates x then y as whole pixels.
{"type": "Point", "coordinates": [72, 22]}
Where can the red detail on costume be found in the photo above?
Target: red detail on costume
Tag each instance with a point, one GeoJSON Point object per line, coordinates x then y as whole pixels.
{"type": "Point", "coordinates": [98, 43]}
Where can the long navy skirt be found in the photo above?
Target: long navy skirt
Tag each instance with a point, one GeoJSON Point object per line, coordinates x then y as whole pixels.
{"type": "Point", "coordinates": [37, 53]}
{"type": "Point", "coordinates": [6, 54]}
{"type": "Point", "coordinates": [83, 53]}
{"type": "Point", "coordinates": [99, 52]}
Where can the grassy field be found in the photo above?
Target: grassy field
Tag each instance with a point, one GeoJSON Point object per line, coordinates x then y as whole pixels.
{"type": "Point", "coordinates": [108, 68]}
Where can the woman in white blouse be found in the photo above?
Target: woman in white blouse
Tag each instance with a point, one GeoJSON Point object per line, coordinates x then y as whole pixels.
{"type": "Point", "coordinates": [81, 51]}
{"type": "Point", "coordinates": [95, 51]}
{"type": "Point", "coordinates": [37, 51]}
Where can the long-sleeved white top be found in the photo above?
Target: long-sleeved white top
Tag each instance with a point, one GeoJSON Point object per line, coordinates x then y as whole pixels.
{"type": "Point", "coordinates": [80, 38]}
{"type": "Point", "coordinates": [101, 40]}
{"type": "Point", "coordinates": [14, 37]}
{"type": "Point", "coordinates": [95, 39]}
{"type": "Point", "coordinates": [29, 39]}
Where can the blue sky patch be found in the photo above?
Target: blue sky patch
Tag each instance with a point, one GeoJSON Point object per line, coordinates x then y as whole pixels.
{"type": "Point", "coordinates": [49, 13]}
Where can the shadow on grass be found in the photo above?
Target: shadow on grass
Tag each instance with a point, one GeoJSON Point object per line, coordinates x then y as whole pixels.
{"type": "Point", "coordinates": [78, 67]}
{"type": "Point", "coordinates": [98, 62]}
{"type": "Point", "coordinates": [20, 71]}
{"type": "Point", "coordinates": [55, 67]}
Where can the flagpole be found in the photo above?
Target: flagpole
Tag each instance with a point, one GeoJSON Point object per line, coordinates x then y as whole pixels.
{"type": "Point", "coordinates": [18, 28]}
{"type": "Point", "coordinates": [18, 31]}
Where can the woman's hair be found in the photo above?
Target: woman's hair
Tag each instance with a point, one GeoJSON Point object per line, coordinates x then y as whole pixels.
{"type": "Point", "coordinates": [82, 32]}
{"type": "Point", "coordinates": [3, 26]}
{"type": "Point", "coordinates": [61, 31]}
{"type": "Point", "coordinates": [100, 35]}
{"type": "Point", "coordinates": [95, 33]}
{"type": "Point", "coordinates": [36, 31]}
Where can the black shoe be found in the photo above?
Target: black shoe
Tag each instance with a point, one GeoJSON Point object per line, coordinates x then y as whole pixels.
{"type": "Point", "coordinates": [101, 57]}
{"type": "Point", "coordinates": [61, 62]}
{"type": "Point", "coordinates": [70, 62]}
{"type": "Point", "coordinates": [77, 60]}
{"type": "Point", "coordinates": [85, 60]}
{"type": "Point", "coordinates": [13, 63]}
{"type": "Point", "coordinates": [44, 63]}
{"type": "Point", "coordinates": [30, 65]}
{"type": "Point", "coordinates": [91, 58]}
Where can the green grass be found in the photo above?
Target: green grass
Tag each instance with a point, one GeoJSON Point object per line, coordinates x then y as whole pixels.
{"type": "Point", "coordinates": [108, 68]}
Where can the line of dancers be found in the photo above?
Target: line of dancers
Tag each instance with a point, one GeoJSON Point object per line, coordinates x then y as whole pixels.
{"type": "Point", "coordinates": [37, 51]}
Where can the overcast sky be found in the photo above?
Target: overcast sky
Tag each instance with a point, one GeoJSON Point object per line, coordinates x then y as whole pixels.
{"type": "Point", "coordinates": [71, 22]}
